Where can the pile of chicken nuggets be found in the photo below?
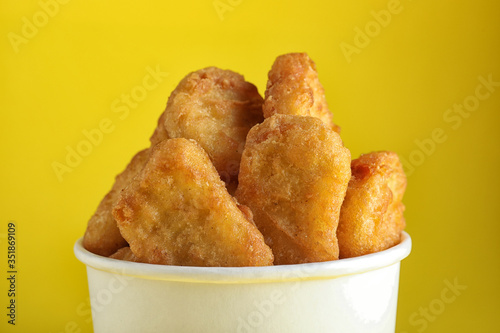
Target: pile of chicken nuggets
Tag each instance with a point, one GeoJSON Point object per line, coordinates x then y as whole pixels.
{"type": "Point", "coordinates": [232, 179]}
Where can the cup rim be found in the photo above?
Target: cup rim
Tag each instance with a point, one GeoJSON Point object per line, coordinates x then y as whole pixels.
{"type": "Point", "coordinates": [263, 274]}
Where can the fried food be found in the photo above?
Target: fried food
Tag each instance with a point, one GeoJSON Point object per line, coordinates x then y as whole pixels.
{"type": "Point", "coordinates": [160, 133]}
{"type": "Point", "coordinates": [293, 175]}
{"type": "Point", "coordinates": [298, 196]}
{"type": "Point", "coordinates": [102, 235]}
{"type": "Point", "coordinates": [371, 218]}
{"type": "Point", "coordinates": [177, 211]}
{"type": "Point", "coordinates": [125, 253]}
{"type": "Point", "coordinates": [293, 87]}
{"type": "Point", "coordinates": [216, 108]}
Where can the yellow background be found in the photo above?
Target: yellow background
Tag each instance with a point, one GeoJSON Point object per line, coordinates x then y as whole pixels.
{"type": "Point", "coordinates": [391, 94]}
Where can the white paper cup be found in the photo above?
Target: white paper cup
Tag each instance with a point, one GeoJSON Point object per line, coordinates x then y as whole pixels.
{"type": "Point", "coordinates": [348, 295]}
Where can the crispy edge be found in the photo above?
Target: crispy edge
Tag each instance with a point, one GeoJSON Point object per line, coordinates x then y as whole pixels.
{"type": "Point", "coordinates": [293, 87]}
{"type": "Point", "coordinates": [102, 235]}
{"type": "Point", "coordinates": [306, 230]}
{"type": "Point", "coordinates": [371, 217]}
{"type": "Point", "coordinates": [125, 253]}
{"type": "Point", "coordinates": [138, 213]}
{"type": "Point", "coordinates": [160, 133]}
{"type": "Point", "coordinates": [210, 93]}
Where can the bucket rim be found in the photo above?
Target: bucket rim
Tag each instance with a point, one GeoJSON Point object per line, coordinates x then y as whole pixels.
{"type": "Point", "coordinates": [228, 275]}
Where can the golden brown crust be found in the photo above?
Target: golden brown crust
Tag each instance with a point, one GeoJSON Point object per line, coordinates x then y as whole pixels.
{"type": "Point", "coordinates": [294, 173]}
{"type": "Point", "coordinates": [177, 211]}
{"type": "Point", "coordinates": [216, 108]}
{"type": "Point", "coordinates": [160, 133]}
{"type": "Point", "coordinates": [102, 235]}
{"type": "Point", "coordinates": [125, 253]}
{"type": "Point", "coordinates": [371, 217]}
{"type": "Point", "coordinates": [293, 87]}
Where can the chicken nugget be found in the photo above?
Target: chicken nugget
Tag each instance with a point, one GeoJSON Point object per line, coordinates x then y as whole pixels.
{"type": "Point", "coordinates": [216, 108]}
{"type": "Point", "coordinates": [293, 87]}
{"type": "Point", "coordinates": [160, 133]}
{"type": "Point", "coordinates": [125, 253]}
{"type": "Point", "coordinates": [293, 175]}
{"type": "Point", "coordinates": [102, 235]}
{"type": "Point", "coordinates": [371, 218]}
{"type": "Point", "coordinates": [177, 211]}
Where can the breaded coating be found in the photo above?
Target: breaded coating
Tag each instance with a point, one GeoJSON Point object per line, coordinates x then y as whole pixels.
{"type": "Point", "coordinates": [216, 108]}
{"type": "Point", "coordinates": [102, 235]}
{"type": "Point", "coordinates": [371, 218]}
{"type": "Point", "coordinates": [160, 133]}
{"type": "Point", "coordinates": [293, 175]}
{"type": "Point", "coordinates": [177, 211]}
{"type": "Point", "coordinates": [125, 253]}
{"type": "Point", "coordinates": [293, 87]}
